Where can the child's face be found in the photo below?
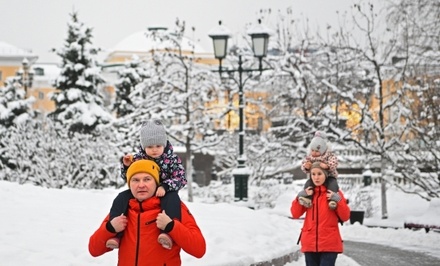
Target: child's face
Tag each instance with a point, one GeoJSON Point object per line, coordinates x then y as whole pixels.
{"type": "Point", "coordinates": [315, 153]}
{"type": "Point", "coordinates": [154, 151]}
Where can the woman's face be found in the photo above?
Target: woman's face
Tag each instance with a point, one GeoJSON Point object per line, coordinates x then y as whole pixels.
{"type": "Point", "coordinates": [143, 186]}
{"type": "Point", "coordinates": [318, 176]}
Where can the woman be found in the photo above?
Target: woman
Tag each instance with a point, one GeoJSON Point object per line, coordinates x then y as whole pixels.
{"type": "Point", "coordinates": [320, 237]}
{"type": "Point", "coordinates": [144, 222]}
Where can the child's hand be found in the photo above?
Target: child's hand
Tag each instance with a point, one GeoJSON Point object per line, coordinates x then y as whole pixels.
{"type": "Point", "coordinates": [127, 159]}
{"type": "Point", "coordinates": [309, 191]}
{"type": "Point", "coordinates": [160, 192]}
{"type": "Point", "coordinates": [323, 165]}
{"type": "Point", "coordinates": [119, 223]}
{"type": "Point", "coordinates": [307, 165]}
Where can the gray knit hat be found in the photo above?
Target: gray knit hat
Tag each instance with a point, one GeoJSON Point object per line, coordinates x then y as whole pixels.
{"type": "Point", "coordinates": [153, 133]}
{"type": "Point", "coordinates": [319, 142]}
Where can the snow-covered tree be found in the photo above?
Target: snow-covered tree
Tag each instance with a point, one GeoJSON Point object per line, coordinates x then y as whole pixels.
{"type": "Point", "coordinates": [177, 91]}
{"type": "Point", "coordinates": [129, 77]}
{"type": "Point", "coordinates": [41, 156]}
{"type": "Point", "coordinates": [417, 25]}
{"type": "Point", "coordinates": [377, 107]}
{"type": "Point", "coordinates": [15, 110]}
{"type": "Point", "coordinates": [185, 89]}
{"type": "Point", "coordinates": [79, 104]}
{"type": "Point", "coordinates": [301, 99]}
{"type": "Point", "coordinates": [14, 107]}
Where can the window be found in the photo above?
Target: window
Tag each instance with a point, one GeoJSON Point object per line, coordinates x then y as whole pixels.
{"type": "Point", "coordinates": [39, 71]}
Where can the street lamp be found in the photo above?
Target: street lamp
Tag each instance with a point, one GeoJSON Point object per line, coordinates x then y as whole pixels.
{"type": "Point", "coordinates": [260, 39]}
{"type": "Point", "coordinates": [26, 76]}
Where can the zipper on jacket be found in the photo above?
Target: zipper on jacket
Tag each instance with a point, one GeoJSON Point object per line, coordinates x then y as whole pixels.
{"type": "Point", "coordinates": [317, 218]}
{"type": "Point", "coordinates": [138, 234]}
{"type": "Point", "coordinates": [150, 222]}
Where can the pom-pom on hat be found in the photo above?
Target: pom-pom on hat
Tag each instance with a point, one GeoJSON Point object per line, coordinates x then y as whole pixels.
{"type": "Point", "coordinates": [319, 142]}
{"type": "Point", "coordinates": [153, 133]}
{"type": "Point", "coordinates": [318, 165]}
{"type": "Point", "coordinates": [143, 166]}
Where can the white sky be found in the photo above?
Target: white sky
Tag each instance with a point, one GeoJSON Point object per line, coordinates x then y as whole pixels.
{"type": "Point", "coordinates": [42, 25]}
{"type": "Point", "coordinates": [43, 227]}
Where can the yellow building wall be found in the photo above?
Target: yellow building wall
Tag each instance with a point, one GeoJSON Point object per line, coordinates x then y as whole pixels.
{"type": "Point", "coordinates": [125, 56]}
{"type": "Point", "coordinates": [42, 101]}
{"type": "Point", "coordinates": [7, 71]}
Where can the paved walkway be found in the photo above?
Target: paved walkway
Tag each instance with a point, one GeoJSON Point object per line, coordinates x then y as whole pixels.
{"type": "Point", "coordinates": [367, 254]}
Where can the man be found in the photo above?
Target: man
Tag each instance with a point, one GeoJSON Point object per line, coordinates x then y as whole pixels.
{"type": "Point", "coordinates": [143, 223]}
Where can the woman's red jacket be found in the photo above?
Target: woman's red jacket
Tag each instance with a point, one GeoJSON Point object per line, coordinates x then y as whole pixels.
{"type": "Point", "coordinates": [320, 231]}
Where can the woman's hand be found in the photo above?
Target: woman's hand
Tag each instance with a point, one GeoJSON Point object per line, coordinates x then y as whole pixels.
{"type": "Point", "coordinates": [333, 196]}
{"type": "Point", "coordinates": [309, 191]}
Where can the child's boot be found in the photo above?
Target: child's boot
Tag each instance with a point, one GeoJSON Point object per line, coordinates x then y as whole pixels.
{"type": "Point", "coordinates": [333, 201]}
{"type": "Point", "coordinates": [306, 202]}
{"type": "Point", "coordinates": [112, 243]}
{"type": "Point", "coordinates": [165, 240]}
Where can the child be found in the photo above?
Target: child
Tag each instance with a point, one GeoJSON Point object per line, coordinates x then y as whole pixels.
{"type": "Point", "coordinates": [319, 152]}
{"type": "Point", "coordinates": [154, 146]}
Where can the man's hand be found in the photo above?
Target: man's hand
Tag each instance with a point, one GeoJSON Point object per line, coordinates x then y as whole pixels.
{"type": "Point", "coordinates": [119, 223]}
{"type": "Point", "coordinates": [160, 192]}
{"type": "Point", "coordinates": [162, 220]}
{"type": "Point", "coordinates": [127, 159]}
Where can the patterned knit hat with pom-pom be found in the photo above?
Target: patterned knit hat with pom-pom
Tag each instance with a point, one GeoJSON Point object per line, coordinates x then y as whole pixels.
{"type": "Point", "coordinates": [319, 142]}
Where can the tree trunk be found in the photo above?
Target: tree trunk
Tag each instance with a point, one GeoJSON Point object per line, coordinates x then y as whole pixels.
{"type": "Point", "coordinates": [189, 169]}
{"type": "Point", "coordinates": [383, 186]}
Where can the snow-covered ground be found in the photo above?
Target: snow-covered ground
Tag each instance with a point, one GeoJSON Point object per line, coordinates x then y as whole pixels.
{"type": "Point", "coordinates": [52, 227]}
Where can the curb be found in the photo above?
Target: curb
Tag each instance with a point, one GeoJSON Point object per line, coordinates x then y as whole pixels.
{"type": "Point", "coordinates": [280, 261]}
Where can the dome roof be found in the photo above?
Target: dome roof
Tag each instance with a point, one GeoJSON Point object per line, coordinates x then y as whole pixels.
{"type": "Point", "coordinates": [139, 42]}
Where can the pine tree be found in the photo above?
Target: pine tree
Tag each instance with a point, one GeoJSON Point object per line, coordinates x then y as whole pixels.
{"type": "Point", "coordinates": [129, 77]}
{"type": "Point", "coordinates": [79, 106]}
{"type": "Point", "coordinates": [14, 111]}
{"type": "Point", "coordinates": [14, 107]}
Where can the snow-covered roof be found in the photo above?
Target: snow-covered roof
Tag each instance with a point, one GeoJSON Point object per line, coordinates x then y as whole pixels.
{"type": "Point", "coordinates": [138, 42]}
{"type": "Point", "coordinates": [51, 71]}
{"type": "Point", "coordinates": [9, 50]}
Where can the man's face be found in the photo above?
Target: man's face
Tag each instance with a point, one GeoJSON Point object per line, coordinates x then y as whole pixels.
{"type": "Point", "coordinates": [143, 186]}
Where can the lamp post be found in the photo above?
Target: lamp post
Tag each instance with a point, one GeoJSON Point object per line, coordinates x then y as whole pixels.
{"type": "Point", "coordinates": [26, 76]}
{"type": "Point", "coordinates": [260, 39]}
